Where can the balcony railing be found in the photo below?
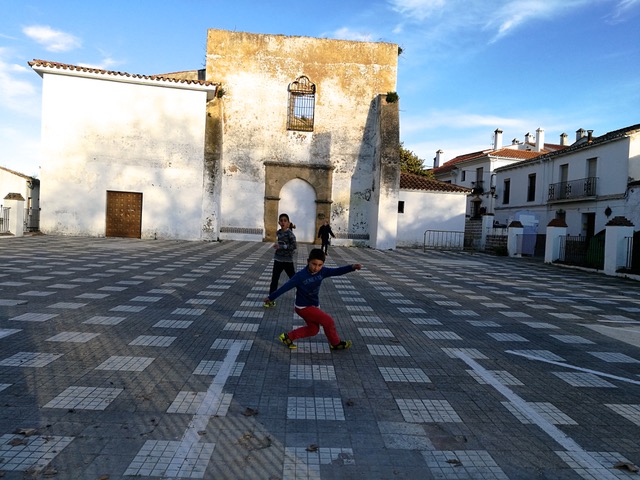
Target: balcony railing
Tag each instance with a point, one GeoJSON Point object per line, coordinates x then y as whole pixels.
{"type": "Point", "coordinates": [574, 189]}
{"type": "Point", "coordinates": [477, 187]}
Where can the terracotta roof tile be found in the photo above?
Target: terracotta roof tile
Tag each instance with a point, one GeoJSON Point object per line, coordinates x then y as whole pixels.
{"type": "Point", "coordinates": [517, 154]}
{"type": "Point", "coordinates": [411, 181]}
{"type": "Point", "coordinates": [615, 134]}
{"type": "Point", "coordinates": [451, 164]}
{"type": "Point", "coordinates": [503, 152]}
{"type": "Point", "coordinates": [16, 173]}
{"type": "Point", "coordinates": [76, 68]}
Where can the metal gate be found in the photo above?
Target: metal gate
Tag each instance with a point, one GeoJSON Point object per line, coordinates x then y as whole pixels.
{"type": "Point", "coordinates": [443, 240]}
{"type": "Point", "coordinates": [124, 214]}
{"type": "Point", "coordinates": [583, 251]}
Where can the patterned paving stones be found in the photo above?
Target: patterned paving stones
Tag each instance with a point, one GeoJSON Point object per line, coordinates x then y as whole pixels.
{"type": "Point", "coordinates": [155, 359]}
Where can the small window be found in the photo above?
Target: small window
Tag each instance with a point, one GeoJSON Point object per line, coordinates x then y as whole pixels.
{"type": "Point", "coordinates": [401, 206]}
{"type": "Point", "coordinates": [463, 176]}
{"type": "Point", "coordinates": [564, 173]}
{"type": "Point", "coordinates": [531, 190]}
{"type": "Point", "coordinates": [506, 187]}
{"type": "Point", "coordinates": [302, 102]}
{"type": "Point", "coordinates": [592, 164]}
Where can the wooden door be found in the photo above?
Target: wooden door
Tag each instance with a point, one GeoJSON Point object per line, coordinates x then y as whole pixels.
{"type": "Point", "coordinates": [124, 214]}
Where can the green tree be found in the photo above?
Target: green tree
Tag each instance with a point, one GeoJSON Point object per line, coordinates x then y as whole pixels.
{"type": "Point", "coordinates": [411, 163]}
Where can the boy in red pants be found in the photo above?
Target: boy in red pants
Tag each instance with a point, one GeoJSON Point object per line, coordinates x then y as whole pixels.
{"type": "Point", "coordinates": [307, 283]}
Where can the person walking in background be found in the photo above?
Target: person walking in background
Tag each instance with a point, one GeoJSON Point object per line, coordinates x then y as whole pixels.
{"type": "Point", "coordinates": [307, 304]}
{"type": "Point", "coordinates": [323, 233]}
{"type": "Point", "coordinates": [285, 247]}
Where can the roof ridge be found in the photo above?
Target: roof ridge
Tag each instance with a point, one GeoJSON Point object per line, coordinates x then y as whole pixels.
{"type": "Point", "coordinates": [413, 181]}
{"type": "Point", "coordinates": [612, 135]}
{"type": "Point", "coordinates": [79, 68]}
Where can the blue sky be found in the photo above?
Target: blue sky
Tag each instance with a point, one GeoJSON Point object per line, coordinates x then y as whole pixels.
{"type": "Point", "coordinates": [467, 67]}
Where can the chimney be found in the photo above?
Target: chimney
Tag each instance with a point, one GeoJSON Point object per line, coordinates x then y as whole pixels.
{"type": "Point", "coordinates": [580, 133]}
{"type": "Point", "coordinates": [436, 160]}
{"type": "Point", "coordinates": [564, 139]}
{"type": "Point", "coordinates": [497, 139]}
{"type": "Point", "coordinates": [539, 140]}
{"type": "Point", "coordinates": [589, 136]}
{"type": "Point", "coordinates": [515, 141]}
{"type": "Point", "coordinates": [527, 138]}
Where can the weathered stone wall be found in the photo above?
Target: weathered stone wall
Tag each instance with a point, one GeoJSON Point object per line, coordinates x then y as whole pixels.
{"type": "Point", "coordinates": [255, 72]}
{"type": "Point", "coordinates": [384, 220]}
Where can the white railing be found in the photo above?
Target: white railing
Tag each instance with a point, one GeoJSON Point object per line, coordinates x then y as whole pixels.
{"type": "Point", "coordinates": [4, 219]}
{"type": "Point", "coordinates": [443, 240]}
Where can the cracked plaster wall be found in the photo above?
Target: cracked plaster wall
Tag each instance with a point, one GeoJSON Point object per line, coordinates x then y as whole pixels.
{"type": "Point", "coordinates": [255, 71]}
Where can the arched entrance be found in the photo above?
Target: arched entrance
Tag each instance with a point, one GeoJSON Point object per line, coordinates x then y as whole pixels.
{"type": "Point", "coordinates": [298, 200]}
{"type": "Point", "coordinates": [307, 200]}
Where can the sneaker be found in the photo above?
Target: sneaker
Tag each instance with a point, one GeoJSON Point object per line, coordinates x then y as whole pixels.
{"type": "Point", "coordinates": [269, 304]}
{"type": "Point", "coordinates": [284, 338]}
{"type": "Point", "coordinates": [342, 345]}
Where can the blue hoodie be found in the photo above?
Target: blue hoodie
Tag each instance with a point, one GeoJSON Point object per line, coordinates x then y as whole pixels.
{"type": "Point", "coordinates": [308, 285]}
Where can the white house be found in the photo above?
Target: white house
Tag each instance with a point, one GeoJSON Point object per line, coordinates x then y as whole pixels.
{"type": "Point", "coordinates": [586, 184]}
{"type": "Point", "coordinates": [476, 170]}
{"type": "Point", "coordinates": [29, 188]}
{"type": "Point", "coordinates": [426, 204]}
{"type": "Point", "coordinates": [122, 154]}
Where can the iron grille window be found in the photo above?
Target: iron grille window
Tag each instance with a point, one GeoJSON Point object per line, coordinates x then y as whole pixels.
{"type": "Point", "coordinates": [302, 102]}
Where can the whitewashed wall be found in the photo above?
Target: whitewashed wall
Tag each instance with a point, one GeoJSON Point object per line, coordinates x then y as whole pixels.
{"type": "Point", "coordinates": [429, 211]}
{"type": "Point", "coordinates": [100, 135]}
{"type": "Point", "coordinates": [615, 163]}
{"type": "Point", "coordinates": [12, 183]}
{"type": "Point", "coordinates": [634, 157]}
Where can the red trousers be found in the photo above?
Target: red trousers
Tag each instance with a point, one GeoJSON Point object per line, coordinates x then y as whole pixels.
{"type": "Point", "coordinates": [315, 318]}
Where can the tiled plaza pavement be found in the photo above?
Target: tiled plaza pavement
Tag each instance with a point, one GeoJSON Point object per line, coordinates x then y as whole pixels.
{"type": "Point", "coordinates": [155, 359]}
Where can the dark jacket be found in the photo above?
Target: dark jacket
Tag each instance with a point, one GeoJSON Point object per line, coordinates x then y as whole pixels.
{"type": "Point", "coordinates": [324, 232]}
{"type": "Point", "coordinates": [287, 246]}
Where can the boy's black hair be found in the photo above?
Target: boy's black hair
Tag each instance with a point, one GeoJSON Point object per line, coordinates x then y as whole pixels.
{"type": "Point", "coordinates": [317, 254]}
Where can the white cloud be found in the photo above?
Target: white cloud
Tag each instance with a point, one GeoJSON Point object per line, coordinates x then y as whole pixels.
{"type": "Point", "coordinates": [622, 11]}
{"type": "Point", "coordinates": [348, 34]}
{"type": "Point", "coordinates": [19, 115]}
{"type": "Point", "coordinates": [498, 18]}
{"type": "Point", "coordinates": [105, 64]}
{"type": "Point", "coordinates": [452, 119]}
{"type": "Point", "coordinates": [21, 146]}
{"type": "Point", "coordinates": [15, 88]}
{"type": "Point", "coordinates": [52, 40]}
{"type": "Point", "coordinates": [518, 12]}
{"type": "Point", "coordinates": [418, 9]}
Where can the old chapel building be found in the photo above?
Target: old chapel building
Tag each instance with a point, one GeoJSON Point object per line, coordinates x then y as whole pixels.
{"type": "Point", "coordinates": [274, 124]}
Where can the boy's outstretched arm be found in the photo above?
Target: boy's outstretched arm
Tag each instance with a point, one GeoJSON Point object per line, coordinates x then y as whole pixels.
{"type": "Point", "coordinates": [356, 266]}
{"type": "Point", "coordinates": [292, 282]}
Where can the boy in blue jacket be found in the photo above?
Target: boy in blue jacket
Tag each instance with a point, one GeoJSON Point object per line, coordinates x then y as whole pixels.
{"type": "Point", "coordinates": [307, 283]}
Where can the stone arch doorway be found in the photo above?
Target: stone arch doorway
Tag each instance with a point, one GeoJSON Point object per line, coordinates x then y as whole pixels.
{"type": "Point", "coordinates": [298, 200]}
{"type": "Point", "coordinates": [277, 176]}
